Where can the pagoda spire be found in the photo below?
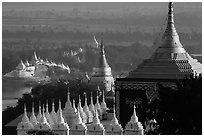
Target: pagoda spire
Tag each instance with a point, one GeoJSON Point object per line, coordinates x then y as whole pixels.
{"type": "Point", "coordinates": [43, 118]}
{"type": "Point", "coordinates": [60, 118]}
{"type": "Point", "coordinates": [114, 121]}
{"type": "Point", "coordinates": [79, 105]}
{"type": "Point", "coordinates": [39, 114]}
{"type": "Point", "coordinates": [68, 103]}
{"type": "Point", "coordinates": [35, 56]}
{"type": "Point", "coordinates": [78, 118]}
{"type": "Point", "coordinates": [47, 115]}
{"type": "Point", "coordinates": [74, 107]}
{"type": "Point", "coordinates": [134, 118]}
{"type": "Point", "coordinates": [85, 108]}
{"type": "Point", "coordinates": [170, 42]}
{"type": "Point", "coordinates": [33, 119]}
{"type": "Point", "coordinates": [25, 116]}
{"type": "Point", "coordinates": [96, 119]}
{"type": "Point", "coordinates": [91, 105]}
{"type": "Point", "coordinates": [53, 113]}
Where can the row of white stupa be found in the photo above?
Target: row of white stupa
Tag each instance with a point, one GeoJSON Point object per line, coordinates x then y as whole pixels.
{"type": "Point", "coordinates": [36, 60]}
{"type": "Point", "coordinates": [80, 121]}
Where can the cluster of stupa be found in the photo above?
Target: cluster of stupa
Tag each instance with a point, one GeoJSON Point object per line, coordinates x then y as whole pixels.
{"type": "Point", "coordinates": [37, 61]}
{"type": "Point", "coordinates": [84, 120]}
{"type": "Point", "coordinates": [34, 67]}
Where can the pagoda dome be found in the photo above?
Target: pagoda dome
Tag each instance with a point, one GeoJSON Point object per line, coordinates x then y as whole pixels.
{"type": "Point", "coordinates": [43, 124]}
{"type": "Point", "coordinates": [21, 66]}
{"type": "Point", "coordinates": [25, 124]}
{"type": "Point", "coordinates": [33, 118]}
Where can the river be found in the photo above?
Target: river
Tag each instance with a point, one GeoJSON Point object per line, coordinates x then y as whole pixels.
{"type": "Point", "coordinates": [11, 91]}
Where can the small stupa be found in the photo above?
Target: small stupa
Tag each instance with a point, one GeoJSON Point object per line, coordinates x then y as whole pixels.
{"type": "Point", "coordinates": [69, 112]}
{"type": "Point", "coordinates": [96, 128]}
{"type": "Point", "coordinates": [53, 114]}
{"type": "Point", "coordinates": [43, 125]}
{"type": "Point", "coordinates": [114, 128]}
{"type": "Point", "coordinates": [33, 118]}
{"type": "Point", "coordinates": [88, 113]}
{"type": "Point", "coordinates": [78, 127]}
{"type": "Point", "coordinates": [91, 106]}
{"type": "Point", "coordinates": [134, 127]}
{"type": "Point", "coordinates": [25, 125]}
{"type": "Point", "coordinates": [61, 127]}
{"type": "Point", "coordinates": [39, 114]}
{"type": "Point", "coordinates": [82, 113]}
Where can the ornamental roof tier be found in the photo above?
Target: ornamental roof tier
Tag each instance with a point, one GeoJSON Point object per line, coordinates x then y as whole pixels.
{"type": "Point", "coordinates": [170, 60]}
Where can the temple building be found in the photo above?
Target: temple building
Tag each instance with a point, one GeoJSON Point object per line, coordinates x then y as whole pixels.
{"type": "Point", "coordinates": [102, 75]}
{"type": "Point", "coordinates": [169, 63]}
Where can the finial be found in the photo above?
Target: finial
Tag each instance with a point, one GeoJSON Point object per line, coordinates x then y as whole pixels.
{"type": "Point", "coordinates": [39, 107]}
{"type": "Point", "coordinates": [79, 102]}
{"type": "Point", "coordinates": [114, 121]}
{"type": "Point", "coordinates": [53, 105]}
{"type": "Point", "coordinates": [60, 105]}
{"type": "Point", "coordinates": [134, 117]}
{"type": "Point", "coordinates": [170, 13]}
{"type": "Point", "coordinates": [47, 110]}
{"type": "Point", "coordinates": [97, 102]}
{"type": "Point", "coordinates": [33, 107]}
{"type": "Point", "coordinates": [60, 119]}
{"type": "Point", "coordinates": [91, 98]}
{"type": "Point", "coordinates": [68, 95]}
{"type": "Point", "coordinates": [74, 107]}
{"type": "Point", "coordinates": [85, 98]}
{"type": "Point", "coordinates": [103, 96]}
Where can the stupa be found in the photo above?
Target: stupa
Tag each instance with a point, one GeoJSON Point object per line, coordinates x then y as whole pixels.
{"type": "Point", "coordinates": [102, 71]}
{"type": "Point", "coordinates": [24, 125]}
{"type": "Point", "coordinates": [69, 112]}
{"type": "Point", "coordinates": [61, 127]}
{"type": "Point", "coordinates": [170, 60]}
{"type": "Point", "coordinates": [87, 111]}
{"type": "Point", "coordinates": [33, 118]}
{"type": "Point", "coordinates": [134, 127]}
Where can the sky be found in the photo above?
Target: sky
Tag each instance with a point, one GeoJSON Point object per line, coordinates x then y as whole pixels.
{"type": "Point", "coordinates": [147, 7]}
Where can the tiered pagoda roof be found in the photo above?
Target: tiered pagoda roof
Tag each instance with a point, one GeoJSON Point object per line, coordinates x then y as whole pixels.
{"type": "Point", "coordinates": [170, 60]}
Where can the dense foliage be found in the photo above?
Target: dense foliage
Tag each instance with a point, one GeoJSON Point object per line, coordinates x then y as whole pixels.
{"type": "Point", "coordinates": [178, 111]}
